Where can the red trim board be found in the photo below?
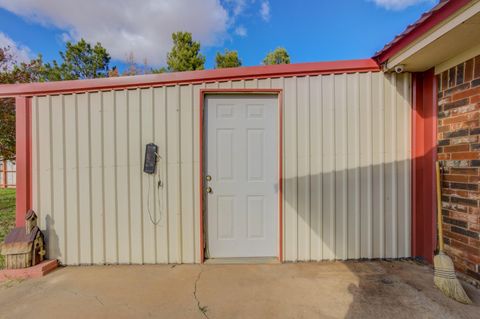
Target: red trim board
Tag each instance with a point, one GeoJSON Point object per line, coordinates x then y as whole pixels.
{"type": "Point", "coordinates": [424, 155]}
{"type": "Point", "coordinates": [202, 76]}
{"type": "Point", "coordinates": [23, 158]}
{"type": "Point", "coordinates": [278, 92]}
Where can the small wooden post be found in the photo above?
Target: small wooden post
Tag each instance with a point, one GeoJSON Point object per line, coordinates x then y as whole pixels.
{"type": "Point", "coordinates": [4, 174]}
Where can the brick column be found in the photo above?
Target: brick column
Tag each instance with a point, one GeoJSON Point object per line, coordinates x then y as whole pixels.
{"type": "Point", "coordinates": [459, 149]}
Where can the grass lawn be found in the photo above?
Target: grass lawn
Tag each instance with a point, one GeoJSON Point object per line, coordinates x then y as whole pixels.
{"type": "Point", "coordinates": [7, 214]}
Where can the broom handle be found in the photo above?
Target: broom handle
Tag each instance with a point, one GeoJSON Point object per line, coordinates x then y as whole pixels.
{"type": "Point", "coordinates": [439, 208]}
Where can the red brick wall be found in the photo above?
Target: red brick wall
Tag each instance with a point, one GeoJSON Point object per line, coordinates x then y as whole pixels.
{"type": "Point", "coordinates": [459, 149]}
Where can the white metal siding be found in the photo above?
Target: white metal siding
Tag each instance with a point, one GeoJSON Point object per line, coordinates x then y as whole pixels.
{"type": "Point", "coordinates": [346, 170]}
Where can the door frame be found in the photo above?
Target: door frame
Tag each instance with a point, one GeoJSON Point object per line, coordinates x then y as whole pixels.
{"type": "Point", "coordinates": [203, 95]}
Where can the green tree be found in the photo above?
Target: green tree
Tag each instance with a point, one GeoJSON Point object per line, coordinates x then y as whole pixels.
{"type": "Point", "coordinates": [159, 70]}
{"type": "Point", "coordinates": [7, 129]}
{"type": "Point", "coordinates": [185, 54]}
{"type": "Point", "coordinates": [80, 60]}
{"type": "Point", "coordinates": [278, 56]}
{"type": "Point", "coordinates": [229, 59]}
{"type": "Point", "coordinates": [12, 72]}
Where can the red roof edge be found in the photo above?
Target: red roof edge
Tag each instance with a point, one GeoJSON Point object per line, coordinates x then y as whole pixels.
{"type": "Point", "coordinates": [442, 11]}
{"type": "Point", "coordinates": [241, 73]}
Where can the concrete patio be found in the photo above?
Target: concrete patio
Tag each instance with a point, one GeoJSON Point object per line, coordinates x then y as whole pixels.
{"type": "Point", "coordinates": [380, 289]}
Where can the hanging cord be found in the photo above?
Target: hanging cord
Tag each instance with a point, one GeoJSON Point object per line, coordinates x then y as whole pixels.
{"type": "Point", "coordinates": [159, 184]}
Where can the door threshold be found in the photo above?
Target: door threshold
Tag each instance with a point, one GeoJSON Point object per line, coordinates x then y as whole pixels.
{"type": "Point", "coordinates": [242, 260]}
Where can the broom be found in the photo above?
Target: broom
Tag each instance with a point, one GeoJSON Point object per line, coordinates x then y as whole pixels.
{"type": "Point", "coordinates": [444, 277]}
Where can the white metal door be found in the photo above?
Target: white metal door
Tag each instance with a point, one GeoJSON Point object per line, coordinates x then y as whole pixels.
{"type": "Point", "coordinates": [241, 160]}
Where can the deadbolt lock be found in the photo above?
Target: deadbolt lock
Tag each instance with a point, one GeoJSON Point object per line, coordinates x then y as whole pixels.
{"type": "Point", "coordinates": [208, 178]}
{"type": "Point", "coordinates": [209, 189]}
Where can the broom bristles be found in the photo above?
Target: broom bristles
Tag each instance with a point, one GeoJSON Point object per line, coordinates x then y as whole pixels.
{"type": "Point", "coordinates": [446, 280]}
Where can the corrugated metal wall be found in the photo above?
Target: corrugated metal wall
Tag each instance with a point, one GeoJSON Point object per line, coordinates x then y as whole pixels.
{"type": "Point", "coordinates": [346, 170]}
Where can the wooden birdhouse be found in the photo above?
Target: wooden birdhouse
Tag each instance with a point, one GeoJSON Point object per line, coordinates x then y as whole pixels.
{"type": "Point", "coordinates": [24, 246]}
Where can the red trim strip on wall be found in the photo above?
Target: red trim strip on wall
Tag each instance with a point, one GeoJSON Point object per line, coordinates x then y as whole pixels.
{"type": "Point", "coordinates": [278, 92]}
{"type": "Point", "coordinates": [424, 155]}
{"type": "Point", "coordinates": [23, 158]}
{"type": "Point", "coordinates": [242, 73]}
{"type": "Point", "coordinates": [200, 182]}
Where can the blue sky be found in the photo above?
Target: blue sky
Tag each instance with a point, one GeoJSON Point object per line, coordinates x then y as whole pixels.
{"type": "Point", "coordinates": [309, 30]}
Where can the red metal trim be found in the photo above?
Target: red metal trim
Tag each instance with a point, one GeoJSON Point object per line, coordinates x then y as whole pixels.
{"type": "Point", "coordinates": [242, 73]}
{"type": "Point", "coordinates": [409, 36]}
{"type": "Point", "coordinates": [424, 155]}
{"type": "Point", "coordinates": [279, 94]}
{"type": "Point", "coordinates": [23, 158]}
{"type": "Point", "coordinates": [280, 175]}
{"type": "Point", "coordinates": [200, 161]}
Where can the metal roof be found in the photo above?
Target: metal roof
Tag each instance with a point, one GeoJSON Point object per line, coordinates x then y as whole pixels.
{"type": "Point", "coordinates": [250, 72]}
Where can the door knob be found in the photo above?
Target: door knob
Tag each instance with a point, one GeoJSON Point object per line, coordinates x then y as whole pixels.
{"type": "Point", "coordinates": [208, 178]}
{"type": "Point", "coordinates": [209, 189]}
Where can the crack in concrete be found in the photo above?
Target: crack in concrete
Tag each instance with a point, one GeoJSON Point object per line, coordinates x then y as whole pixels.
{"type": "Point", "coordinates": [98, 299]}
{"type": "Point", "coordinates": [76, 293]}
{"type": "Point", "coordinates": [203, 309]}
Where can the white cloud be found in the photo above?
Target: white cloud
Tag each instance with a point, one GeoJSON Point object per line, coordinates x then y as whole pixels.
{"type": "Point", "coordinates": [20, 52]}
{"type": "Point", "coordinates": [126, 26]}
{"type": "Point", "coordinates": [398, 4]}
{"type": "Point", "coordinates": [265, 10]}
{"type": "Point", "coordinates": [238, 6]}
{"type": "Point", "coordinates": [241, 31]}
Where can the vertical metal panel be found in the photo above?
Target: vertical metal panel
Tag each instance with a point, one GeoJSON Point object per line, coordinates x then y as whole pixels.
{"type": "Point", "coordinates": [43, 159]}
{"type": "Point", "coordinates": [236, 84]}
{"type": "Point", "coordinates": [251, 84]}
{"type": "Point", "coordinates": [264, 83]}
{"type": "Point", "coordinates": [109, 171]}
{"type": "Point", "coordinates": [303, 168]}
{"type": "Point", "coordinates": [354, 136]}
{"type": "Point", "coordinates": [390, 166]}
{"type": "Point", "coordinates": [328, 169]}
{"type": "Point", "coordinates": [135, 177]}
{"type": "Point", "coordinates": [316, 162]}
{"type": "Point", "coordinates": [225, 85]}
{"type": "Point", "coordinates": [341, 183]}
{"type": "Point", "coordinates": [173, 210]}
{"type": "Point", "coordinates": [123, 177]}
{"type": "Point", "coordinates": [346, 170]}
{"type": "Point", "coordinates": [365, 163]}
{"type": "Point", "coordinates": [72, 254]}
{"type": "Point", "coordinates": [378, 108]}
{"type": "Point", "coordinates": [149, 182]}
{"type": "Point", "coordinates": [57, 239]}
{"type": "Point", "coordinates": [403, 168]}
{"type": "Point", "coordinates": [187, 182]}
{"type": "Point", "coordinates": [96, 173]}
{"type": "Point", "coordinates": [84, 178]}
{"type": "Point", "coordinates": [290, 169]}
{"type": "Point", "coordinates": [161, 199]}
